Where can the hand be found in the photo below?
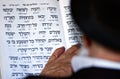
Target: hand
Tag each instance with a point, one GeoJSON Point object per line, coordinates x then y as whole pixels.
{"type": "Point", "coordinates": [59, 64]}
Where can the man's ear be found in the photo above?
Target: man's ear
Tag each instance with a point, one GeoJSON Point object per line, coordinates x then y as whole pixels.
{"type": "Point", "coordinates": [86, 41]}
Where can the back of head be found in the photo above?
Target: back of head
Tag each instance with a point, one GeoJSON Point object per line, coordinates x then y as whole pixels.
{"type": "Point", "coordinates": [99, 20]}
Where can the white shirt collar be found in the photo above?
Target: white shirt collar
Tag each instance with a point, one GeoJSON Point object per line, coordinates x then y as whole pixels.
{"type": "Point", "coordinates": [83, 61]}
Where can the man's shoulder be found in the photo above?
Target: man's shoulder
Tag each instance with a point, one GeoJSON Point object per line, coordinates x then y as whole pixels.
{"type": "Point", "coordinates": [96, 72]}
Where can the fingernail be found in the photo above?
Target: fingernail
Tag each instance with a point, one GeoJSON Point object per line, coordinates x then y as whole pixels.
{"type": "Point", "coordinates": [60, 51]}
{"type": "Point", "coordinates": [61, 48]}
{"type": "Point", "coordinates": [78, 45]}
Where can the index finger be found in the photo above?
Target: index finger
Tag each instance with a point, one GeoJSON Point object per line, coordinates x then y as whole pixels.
{"type": "Point", "coordinates": [73, 49]}
{"type": "Point", "coordinates": [57, 53]}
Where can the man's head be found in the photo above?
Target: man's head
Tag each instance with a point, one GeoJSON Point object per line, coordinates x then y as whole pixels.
{"type": "Point", "coordinates": [99, 20]}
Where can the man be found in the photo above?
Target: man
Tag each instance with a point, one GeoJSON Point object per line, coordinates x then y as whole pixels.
{"type": "Point", "coordinates": [99, 20]}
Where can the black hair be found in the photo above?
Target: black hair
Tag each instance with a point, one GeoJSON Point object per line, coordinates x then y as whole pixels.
{"type": "Point", "coordinates": [99, 20]}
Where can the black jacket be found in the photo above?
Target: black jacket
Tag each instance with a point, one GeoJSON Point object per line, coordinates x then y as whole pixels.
{"type": "Point", "coordinates": [88, 73]}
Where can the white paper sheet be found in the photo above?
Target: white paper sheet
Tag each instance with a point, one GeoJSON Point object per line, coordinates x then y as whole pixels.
{"type": "Point", "coordinates": [30, 31]}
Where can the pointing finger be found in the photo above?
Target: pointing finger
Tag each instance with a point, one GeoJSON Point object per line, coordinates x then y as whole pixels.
{"type": "Point", "coordinates": [57, 53]}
